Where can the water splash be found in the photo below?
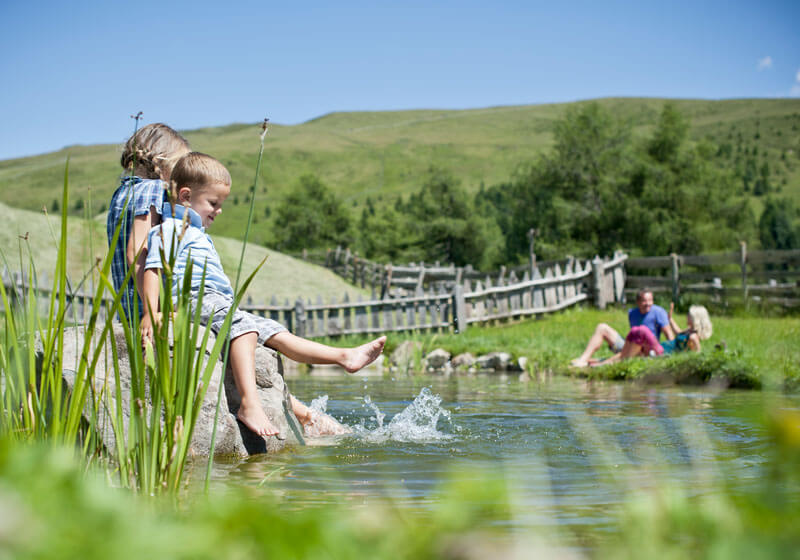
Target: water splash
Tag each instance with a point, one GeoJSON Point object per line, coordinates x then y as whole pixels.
{"type": "Point", "coordinates": [320, 404]}
{"type": "Point", "coordinates": [418, 422]}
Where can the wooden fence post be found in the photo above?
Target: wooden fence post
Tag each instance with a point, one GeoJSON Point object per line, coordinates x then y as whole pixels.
{"type": "Point", "coordinates": [743, 263]}
{"type": "Point", "coordinates": [598, 280]}
{"type": "Point", "coordinates": [299, 318]}
{"type": "Point", "coordinates": [676, 280]}
{"type": "Point", "coordinates": [531, 253]}
{"type": "Point", "coordinates": [459, 309]}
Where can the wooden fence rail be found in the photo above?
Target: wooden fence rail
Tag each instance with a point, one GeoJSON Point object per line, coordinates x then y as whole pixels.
{"type": "Point", "coordinates": [770, 276]}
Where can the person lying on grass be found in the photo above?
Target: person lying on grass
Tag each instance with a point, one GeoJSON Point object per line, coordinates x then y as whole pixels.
{"type": "Point", "coordinates": [200, 186]}
{"type": "Point", "coordinates": [641, 341]}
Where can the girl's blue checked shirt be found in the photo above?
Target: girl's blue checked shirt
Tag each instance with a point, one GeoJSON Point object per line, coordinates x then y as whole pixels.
{"type": "Point", "coordinates": [134, 197]}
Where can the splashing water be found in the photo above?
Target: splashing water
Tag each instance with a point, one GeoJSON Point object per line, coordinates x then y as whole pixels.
{"type": "Point", "coordinates": [416, 423]}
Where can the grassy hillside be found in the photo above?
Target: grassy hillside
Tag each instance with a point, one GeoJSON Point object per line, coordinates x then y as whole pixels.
{"type": "Point", "coordinates": [28, 232]}
{"type": "Point", "coordinates": [384, 154]}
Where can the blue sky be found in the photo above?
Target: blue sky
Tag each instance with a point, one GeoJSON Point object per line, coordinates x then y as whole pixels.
{"type": "Point", "coordinates": [72, 73]}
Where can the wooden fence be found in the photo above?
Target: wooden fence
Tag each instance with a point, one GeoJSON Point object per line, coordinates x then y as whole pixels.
{"type": "Point", "coordinates": [769, 276]}
{"type": "Point", "coordinates": [79, 301]}
{"type": "Point", "coordinates": [503, 298]}
{"type": "Point", "coordinates": [601, 281]}
{"type": "Point", "coordinates": [408, 279]}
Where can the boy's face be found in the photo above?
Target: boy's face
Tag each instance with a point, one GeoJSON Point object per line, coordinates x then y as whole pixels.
{"type": "Point", "coordinates": [207, 202]}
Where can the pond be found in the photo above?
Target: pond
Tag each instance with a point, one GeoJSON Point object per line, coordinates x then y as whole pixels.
{"type": "Point", "coordinates": [569, 450]}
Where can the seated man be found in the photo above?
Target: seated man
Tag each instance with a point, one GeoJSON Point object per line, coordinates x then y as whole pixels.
{"type": "Point", "coordinates": [645, 314]}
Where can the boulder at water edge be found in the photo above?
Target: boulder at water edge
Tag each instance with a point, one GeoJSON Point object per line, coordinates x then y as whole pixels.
{"type": "Point", "coordinates": [232, 438]}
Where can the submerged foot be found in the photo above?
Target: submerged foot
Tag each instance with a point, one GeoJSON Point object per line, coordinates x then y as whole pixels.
{"type": "Point", "coordinates": [254, 417]}
{"type": "Point", "coordinates": [363, 355]}
{"type": "Point", "coordinates": [321, 424]}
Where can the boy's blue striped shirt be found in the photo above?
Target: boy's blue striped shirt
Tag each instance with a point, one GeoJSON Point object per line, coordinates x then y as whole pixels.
{"type": "Point", "coordinates": [192, 240]}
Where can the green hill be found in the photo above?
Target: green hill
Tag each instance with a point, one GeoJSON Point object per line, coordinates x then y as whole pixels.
{"type": "Point", "coordinates": [381, 155]}
{"type": "Point", "coordinates": [27, 233]}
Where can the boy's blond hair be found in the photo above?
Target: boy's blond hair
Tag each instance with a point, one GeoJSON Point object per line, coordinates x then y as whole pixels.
{"type": "Point", "coordinates": [152, 151]}
{"type": "Point", "coordinates": [196, 171]}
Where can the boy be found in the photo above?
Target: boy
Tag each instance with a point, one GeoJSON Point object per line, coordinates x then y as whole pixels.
{"type": "Point", "coordinates": [200, 186]}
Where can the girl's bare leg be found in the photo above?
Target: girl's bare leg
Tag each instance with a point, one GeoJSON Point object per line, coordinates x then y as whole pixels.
{"type": "Point", "coordinates": [602, 333]}
{"type": "Point", "coordinates": [310, 352]}
{"type": "Point", "coordinates": [242, 357]}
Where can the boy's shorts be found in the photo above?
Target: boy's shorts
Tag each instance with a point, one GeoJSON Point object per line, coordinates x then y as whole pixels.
{"type": "Point", "coordinates": [216, 307]}
{"type": "Point", "coordinates": [619, 342]}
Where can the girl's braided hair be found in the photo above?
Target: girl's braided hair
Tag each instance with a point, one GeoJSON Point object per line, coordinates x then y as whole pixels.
{"type": "Point", "coordinates": [152, 151]}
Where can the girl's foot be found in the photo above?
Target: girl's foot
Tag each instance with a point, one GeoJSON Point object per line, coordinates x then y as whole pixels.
{"type": "Point", "coordinates": [360, 356]}
{"type": "Point", "coordinates": [321, 424]}
{"type": "Point", "coordinates": [578, 363]}
{"type": "Point", "coordinates": [254, 417]}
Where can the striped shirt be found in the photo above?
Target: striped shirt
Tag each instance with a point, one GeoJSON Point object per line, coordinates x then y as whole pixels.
{"type": "Point", "coordinates": [192, 243]}
{"type": "Point", "coordinates": [134, 197]}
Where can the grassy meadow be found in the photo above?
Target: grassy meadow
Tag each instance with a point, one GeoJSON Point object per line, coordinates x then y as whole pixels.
{"type": "Point", "coordinates": [382, 155]}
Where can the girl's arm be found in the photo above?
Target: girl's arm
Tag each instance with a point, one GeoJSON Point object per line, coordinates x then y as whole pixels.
{"type": "Point", "coordinates": [675, 328]}
{"type": "Point", "coordinates": [136, 251]}
{"type": "Point", "coordinates": [694, 342]}
{"type": "Point", "coordinates": [151, 286]}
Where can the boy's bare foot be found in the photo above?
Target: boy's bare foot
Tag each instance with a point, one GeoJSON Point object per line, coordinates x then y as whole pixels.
{"type": "Point", "coordinates": [578, 363]}
{"type": "Point", "coordinates": [254, 417]}
{"type": "Point", "coordinates": [363, 355]}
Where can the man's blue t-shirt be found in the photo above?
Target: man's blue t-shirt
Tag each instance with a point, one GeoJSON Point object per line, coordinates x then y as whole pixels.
{"type": "Point", "coordinates": [655, 319]}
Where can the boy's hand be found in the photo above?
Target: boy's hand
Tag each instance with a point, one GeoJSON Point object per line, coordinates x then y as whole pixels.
{"type": "Point", "coordinates": [671, 309]}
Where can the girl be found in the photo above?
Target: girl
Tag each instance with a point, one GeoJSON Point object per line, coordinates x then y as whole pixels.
{"type": "Point", "coordinates": [147, 158]}
{"type": "Point", "coordinates": [641, 341]}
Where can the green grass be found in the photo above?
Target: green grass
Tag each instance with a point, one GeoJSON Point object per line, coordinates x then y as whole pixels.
{"type": "Point", "coordinates": [385, 154]}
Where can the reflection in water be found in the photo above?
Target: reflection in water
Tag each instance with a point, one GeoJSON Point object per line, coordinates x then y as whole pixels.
{"type": "Point", "coordinates": [571, 450]}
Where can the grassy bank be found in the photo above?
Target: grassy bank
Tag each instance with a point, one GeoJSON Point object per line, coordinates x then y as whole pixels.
{"type": "Point", "coordinates": [744, 351]}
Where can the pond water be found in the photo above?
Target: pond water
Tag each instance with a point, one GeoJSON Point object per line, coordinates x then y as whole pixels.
{"type": "Point", "coordinates": [569, 450]}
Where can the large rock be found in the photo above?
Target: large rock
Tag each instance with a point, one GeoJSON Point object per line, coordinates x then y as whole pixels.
{"type": "Point", "coordinates": [437, 359]}
{"type": "Point", "coordinates": [232, 437]}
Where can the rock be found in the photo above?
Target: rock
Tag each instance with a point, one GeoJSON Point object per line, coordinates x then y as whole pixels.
{"type": "Point", "coordinates": [232, 437]}
{"type": "Point", "coordinates": [405, 355]}
{"type": "Point", "coordinates": [437, 359]}
{"type": "Point", "coordinates": [463, 361]}
{"type": "Point", "coordinates": [498, 361]}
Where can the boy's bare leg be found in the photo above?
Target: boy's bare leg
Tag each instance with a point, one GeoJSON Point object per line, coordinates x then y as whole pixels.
{"type": "Point", "coordinates": [602, 333]}
{"type": "Point", "coordinates": [242, 357]}
{"type": "Point", "coordinates": [310, 352]}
